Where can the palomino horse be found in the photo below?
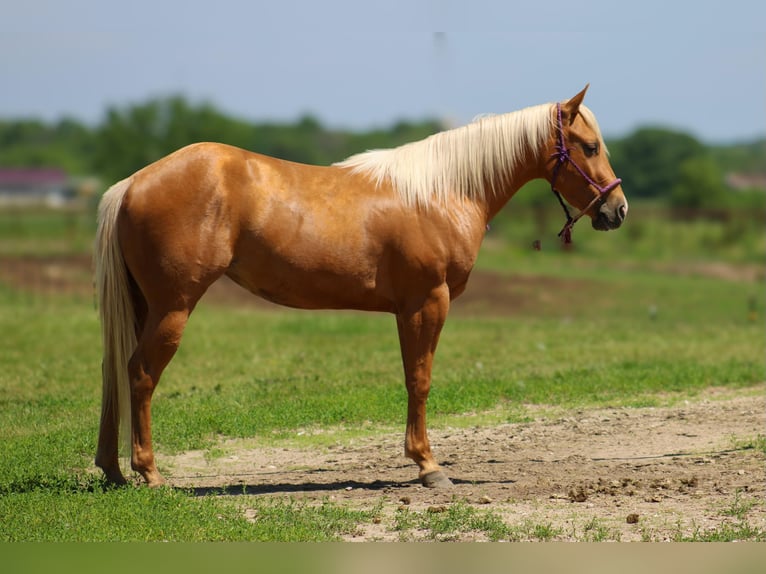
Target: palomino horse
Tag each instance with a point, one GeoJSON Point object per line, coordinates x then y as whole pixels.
{"type": "Point", "coordinates": [387, 230]}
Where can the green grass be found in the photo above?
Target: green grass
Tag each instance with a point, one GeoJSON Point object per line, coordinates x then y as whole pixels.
{"type": "Point", "coordinates": [43, 232]}
{"type": "Point", "coordinates": [728, 532]}
{"type": "Point", "coordinates": [737, 525]}
{"type": "Point", "coordinates": [595, 531]}
{"type": "Point", "coordinates": [740, 506]}
{"type": "Point", "coordinates": [757, 442]}
{"type": "Point", "coordinates": [449, 522]}
{"type": "Point", "coordinates": [651, 234]}
{"type": "Point", "coordinates": [630, 334]}
{"type": "Point", "coordinates": [92, 513]}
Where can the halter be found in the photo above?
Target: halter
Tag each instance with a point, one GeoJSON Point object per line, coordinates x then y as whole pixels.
{"type": "Point", "coordinates": [562, 156]}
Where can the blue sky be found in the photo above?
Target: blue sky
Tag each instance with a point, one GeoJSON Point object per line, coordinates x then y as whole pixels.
{"type": "Point", "coordinates": [698, 66]}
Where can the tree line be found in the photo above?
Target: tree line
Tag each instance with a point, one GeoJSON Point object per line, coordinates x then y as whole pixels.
{"type": "Point", "coordinates": [655, 163]}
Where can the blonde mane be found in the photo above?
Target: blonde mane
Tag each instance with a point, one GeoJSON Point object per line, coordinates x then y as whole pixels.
{"type": "Point", "coordinates": [470, 161]}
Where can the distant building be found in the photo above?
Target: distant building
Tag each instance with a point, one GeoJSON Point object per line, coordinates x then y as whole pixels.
{"type": "Point", "coordinates": [49, 187]}
{"type": "Point", "coordinates": [746, 180]}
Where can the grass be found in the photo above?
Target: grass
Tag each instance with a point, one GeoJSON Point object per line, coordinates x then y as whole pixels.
{"type": "Point", "coordinates": [740, 506]}
{"type": "Point", "coordinates": [455, 521]}
{"type": "Point", "coordinates": [97, 514]}
{"type": "Point", "coordinates": [595, 531]}
{"type": "Point", "coordinates": [632, 334]}
{"type": "Point", "coordinates": [44, 232]}
{"type": "Point", "coordinates": [446, 523]}
{"type": "Point", "coordinates": [736, 526]}
{"type": "Point", "coordinates": [728, 532]}
{"type": "Point", "coordinates": [757, 442]}
{"type": "Point", "coordinates": [651, 234]}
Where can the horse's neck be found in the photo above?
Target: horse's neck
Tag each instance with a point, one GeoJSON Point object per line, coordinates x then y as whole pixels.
{"type": "Point", "coordinates": [521, 175]}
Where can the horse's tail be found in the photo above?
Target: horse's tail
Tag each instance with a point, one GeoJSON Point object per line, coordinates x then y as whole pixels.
{"type": "Point", "coordinates": [118, 317]}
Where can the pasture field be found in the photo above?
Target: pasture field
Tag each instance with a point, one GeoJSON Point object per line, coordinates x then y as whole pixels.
{"type": "Point", "coordinates": [564, 386]}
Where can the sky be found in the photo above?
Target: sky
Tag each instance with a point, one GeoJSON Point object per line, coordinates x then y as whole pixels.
{"type": "Point", "coordinates": [697, 67]}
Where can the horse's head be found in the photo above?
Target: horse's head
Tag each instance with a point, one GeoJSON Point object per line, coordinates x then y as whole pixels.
{"type": "Point", "coordinates": [578, 167]}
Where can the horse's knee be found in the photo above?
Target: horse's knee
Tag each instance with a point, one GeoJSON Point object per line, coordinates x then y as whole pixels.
{"type": "Point", "coordinates": [417, 390]}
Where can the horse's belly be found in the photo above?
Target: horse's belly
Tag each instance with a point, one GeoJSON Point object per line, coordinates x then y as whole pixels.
{"type": "Point", "coordinates": [286, 283]}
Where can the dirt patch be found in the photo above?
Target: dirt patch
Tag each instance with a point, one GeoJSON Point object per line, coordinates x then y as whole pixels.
{"type": "Point", "coordinates": [616, 474]}
{"type": "Point", "coordinates": [750, 273]}
{"type": "Point", "coordinates": [68, 275]}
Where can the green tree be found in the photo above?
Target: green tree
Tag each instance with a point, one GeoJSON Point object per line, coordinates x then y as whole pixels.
{"type": "Point", "coordinates": [649, 160]}
{"type": "Point", "coordinates": [67, 144]}
{"type": "Point", "coordinates": [699, 185]}
{"type": "Point", "coordinates": [133, 137]}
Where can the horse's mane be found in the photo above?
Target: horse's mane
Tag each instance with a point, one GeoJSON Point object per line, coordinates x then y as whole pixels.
{"type": "Point", "coordinates": [469, 162]}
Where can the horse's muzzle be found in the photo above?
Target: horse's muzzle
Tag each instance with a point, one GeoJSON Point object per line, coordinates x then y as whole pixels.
{"type": "Point", "coordinates": [609, 218]}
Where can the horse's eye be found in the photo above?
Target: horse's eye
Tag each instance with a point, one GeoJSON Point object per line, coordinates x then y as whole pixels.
{"type": "Point", "coordinates": [590, 149]}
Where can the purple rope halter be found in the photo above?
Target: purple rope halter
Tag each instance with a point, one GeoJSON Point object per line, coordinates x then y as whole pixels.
{"type": "Point", "coordinates": [562, 156]}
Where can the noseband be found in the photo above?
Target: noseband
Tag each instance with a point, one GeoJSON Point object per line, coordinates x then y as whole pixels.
{"type": "Point", "coordinates": [562, 156]}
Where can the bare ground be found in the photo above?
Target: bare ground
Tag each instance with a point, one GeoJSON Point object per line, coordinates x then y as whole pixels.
{"type": "Point", "coordinates": [608, 474]}
{"type": "Point", "coordinates": [615, 474]}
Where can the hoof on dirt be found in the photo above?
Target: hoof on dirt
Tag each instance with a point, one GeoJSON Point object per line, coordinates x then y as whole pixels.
{"type": "Point", "coordinates": [436, 479]}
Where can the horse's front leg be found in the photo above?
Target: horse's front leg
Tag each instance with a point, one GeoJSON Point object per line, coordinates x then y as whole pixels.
{"type": "Point", "coordinates": [419, 327]}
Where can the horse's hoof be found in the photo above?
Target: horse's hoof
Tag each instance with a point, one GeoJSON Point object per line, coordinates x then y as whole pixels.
{"type": "Point", "coordinates": [436, 479]}
{"type": "Point", "coordinates": [114, 478]}
{"type": "Point", "coordinates": [152, 477]}
{"type": "Point", "coordinates": [116, 482]}
{"type": "Point", "coordinates": [155, 481]}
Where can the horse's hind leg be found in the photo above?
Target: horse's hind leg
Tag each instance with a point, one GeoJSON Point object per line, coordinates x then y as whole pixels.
{"type": "Point", "coordinates": [156, 346]}
{"type": "Point", "coordinates": [107, 452]}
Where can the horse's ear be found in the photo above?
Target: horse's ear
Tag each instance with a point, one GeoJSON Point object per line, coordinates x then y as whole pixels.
{"type": "Point", "coordinates": [570, 108]}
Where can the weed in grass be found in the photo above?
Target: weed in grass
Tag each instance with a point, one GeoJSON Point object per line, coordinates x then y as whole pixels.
{"type": "Point", "coordinates": [594, 531]}
{"type": "Point", "coordinates": [530, 530]}
{"type": "Point", "coordinates": [545, 532]}
{"type": "Point", "coordinates": [404, 521]}
{"type": "Point", "coordinates": [757, 442]}
{"type": "Point", "coordinates": [290, 520]}
{"type": "Point", "coordinates": [445, 523]}
{"type": "Point", "coordinates": [214, 453]}
{"type": "Point", "coordinates": [727, 532]}
{"type": "Point", "coordinates": [740, 506]}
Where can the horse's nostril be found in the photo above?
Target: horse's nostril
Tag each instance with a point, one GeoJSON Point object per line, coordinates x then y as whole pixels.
{"type": "Point", "coordinates": [622, 211]}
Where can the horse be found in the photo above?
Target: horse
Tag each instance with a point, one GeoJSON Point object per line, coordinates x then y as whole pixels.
{"type": "Point", "coordinates": [395, 230]}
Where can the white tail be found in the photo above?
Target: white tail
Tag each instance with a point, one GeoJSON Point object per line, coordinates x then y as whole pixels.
{"type": "Point", "coordinates": [118, 319]}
